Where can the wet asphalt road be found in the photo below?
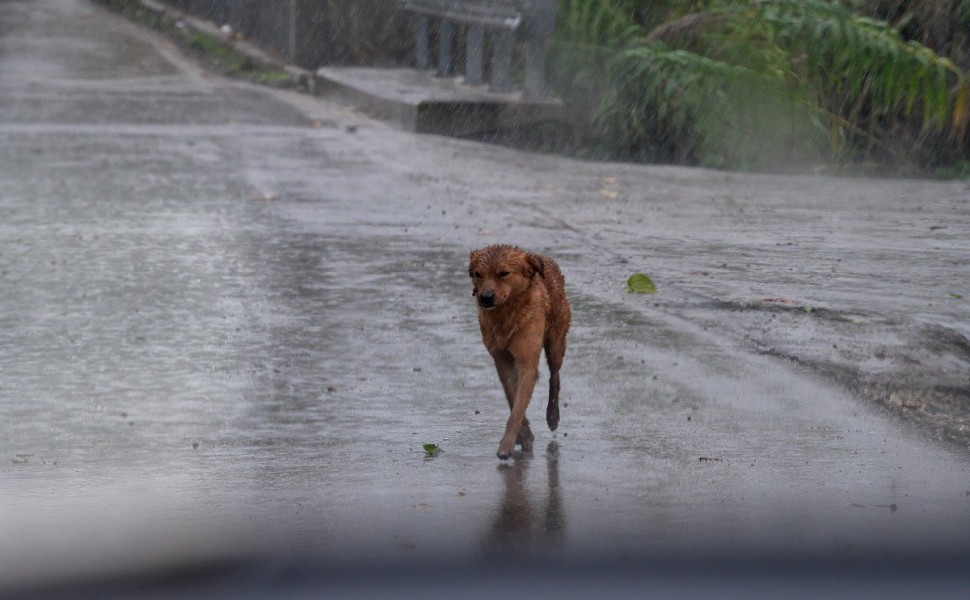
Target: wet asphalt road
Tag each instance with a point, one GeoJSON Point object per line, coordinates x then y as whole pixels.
{"type": "Point", "coordinates": [231, 316]}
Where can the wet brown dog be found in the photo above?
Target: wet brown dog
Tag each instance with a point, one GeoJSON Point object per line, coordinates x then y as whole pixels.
{"type": "Point", "coordinates": [522, 309]}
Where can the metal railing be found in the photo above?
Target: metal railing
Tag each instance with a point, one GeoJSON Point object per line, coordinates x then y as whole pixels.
{"type": "Point", "coordinates": [532, 20]}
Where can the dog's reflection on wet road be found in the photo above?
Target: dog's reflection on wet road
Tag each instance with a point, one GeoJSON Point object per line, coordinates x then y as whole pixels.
{"type": "Point", "coordinates": [522, 526]}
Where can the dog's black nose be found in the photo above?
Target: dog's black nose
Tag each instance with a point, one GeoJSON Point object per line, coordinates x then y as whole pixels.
{"type": "Point", "coordinates": [487, 299]}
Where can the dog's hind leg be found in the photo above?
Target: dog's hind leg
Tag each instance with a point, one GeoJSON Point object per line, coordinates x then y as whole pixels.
{"type": "Point", "coordinates": [525, 437]}
{"type": "Point", "coordinates": [555, 353]}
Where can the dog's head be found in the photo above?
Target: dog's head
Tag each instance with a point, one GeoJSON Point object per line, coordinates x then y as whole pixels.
{"type": "Point", "coordinates": [501, 272]}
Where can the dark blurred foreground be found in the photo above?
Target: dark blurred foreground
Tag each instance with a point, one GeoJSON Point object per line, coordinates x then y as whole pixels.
{"type": "Point", "coordinates": [944, 576]}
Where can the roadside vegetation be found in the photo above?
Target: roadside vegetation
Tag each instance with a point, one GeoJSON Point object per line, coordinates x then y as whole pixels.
{"type": "Point", "coordinates": [843, 86]}
{"type": "Point", "coordinates": [769, 84]}
{"type": "Point", "coordinates": [215, 53]}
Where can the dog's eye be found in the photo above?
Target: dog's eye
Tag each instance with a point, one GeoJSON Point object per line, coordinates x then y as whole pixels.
{"type": "Point", "coordinates": [503, 273]}
{"type": "Point", "coordinates": [477, 275]}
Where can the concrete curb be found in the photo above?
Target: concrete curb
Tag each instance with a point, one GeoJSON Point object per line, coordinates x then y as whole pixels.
{"type": "Point", "coordinates": [419, 101]}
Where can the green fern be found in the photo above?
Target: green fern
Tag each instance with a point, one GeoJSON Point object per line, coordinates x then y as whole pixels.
{"type": "Point", "coordinates": [858, 56]}
{"type": "Point", "coordinates": [594, 23]}
{"type": "Point", "coordinates": [677, 105]}
{"type": "Point", "coordinates": [746, 83]}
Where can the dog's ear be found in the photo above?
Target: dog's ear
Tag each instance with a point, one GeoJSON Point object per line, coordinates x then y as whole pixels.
{"type": "Point", "coordinates": [537, 265]}
{"type": "Point", "coordinates": [471, 260]}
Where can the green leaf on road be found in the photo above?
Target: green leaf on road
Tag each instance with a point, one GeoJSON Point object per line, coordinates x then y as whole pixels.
{"type": "Point", "coordinates": [432, 449]}
{"type": "Point", "coordinates": [639, 283]}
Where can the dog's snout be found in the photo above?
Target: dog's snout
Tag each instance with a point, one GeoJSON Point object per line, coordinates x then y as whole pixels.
{"type": "Point", "coordinates": [487, 299]}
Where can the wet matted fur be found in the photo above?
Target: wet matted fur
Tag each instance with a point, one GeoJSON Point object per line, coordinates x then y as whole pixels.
{"type": "Point", "coordinates": [522, 310]}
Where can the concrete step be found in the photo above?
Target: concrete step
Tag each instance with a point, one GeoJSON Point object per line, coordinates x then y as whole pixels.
{"type": "Point", "coordinates": [419, 101]}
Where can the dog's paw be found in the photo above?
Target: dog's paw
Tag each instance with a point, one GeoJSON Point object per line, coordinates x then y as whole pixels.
{"type": "Point", "coordinates": [525, 439]}
{"type": "Point", "coordinates": [505, 448]}
{"type": "Point", "coordinates": [552, 415]}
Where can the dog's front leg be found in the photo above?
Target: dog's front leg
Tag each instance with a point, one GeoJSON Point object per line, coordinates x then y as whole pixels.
{"type": "Point", "coordinates": [505, 365]}
{"type": "Point", "coordinates": [527, 372]}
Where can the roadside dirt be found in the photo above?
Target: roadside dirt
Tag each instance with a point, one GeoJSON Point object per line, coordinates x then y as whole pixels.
{"type": "Point", "coordinates": [916, 371]}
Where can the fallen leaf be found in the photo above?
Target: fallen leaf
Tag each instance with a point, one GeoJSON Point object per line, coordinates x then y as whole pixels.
{"type": "Point", "coordinates": [640, 284]}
